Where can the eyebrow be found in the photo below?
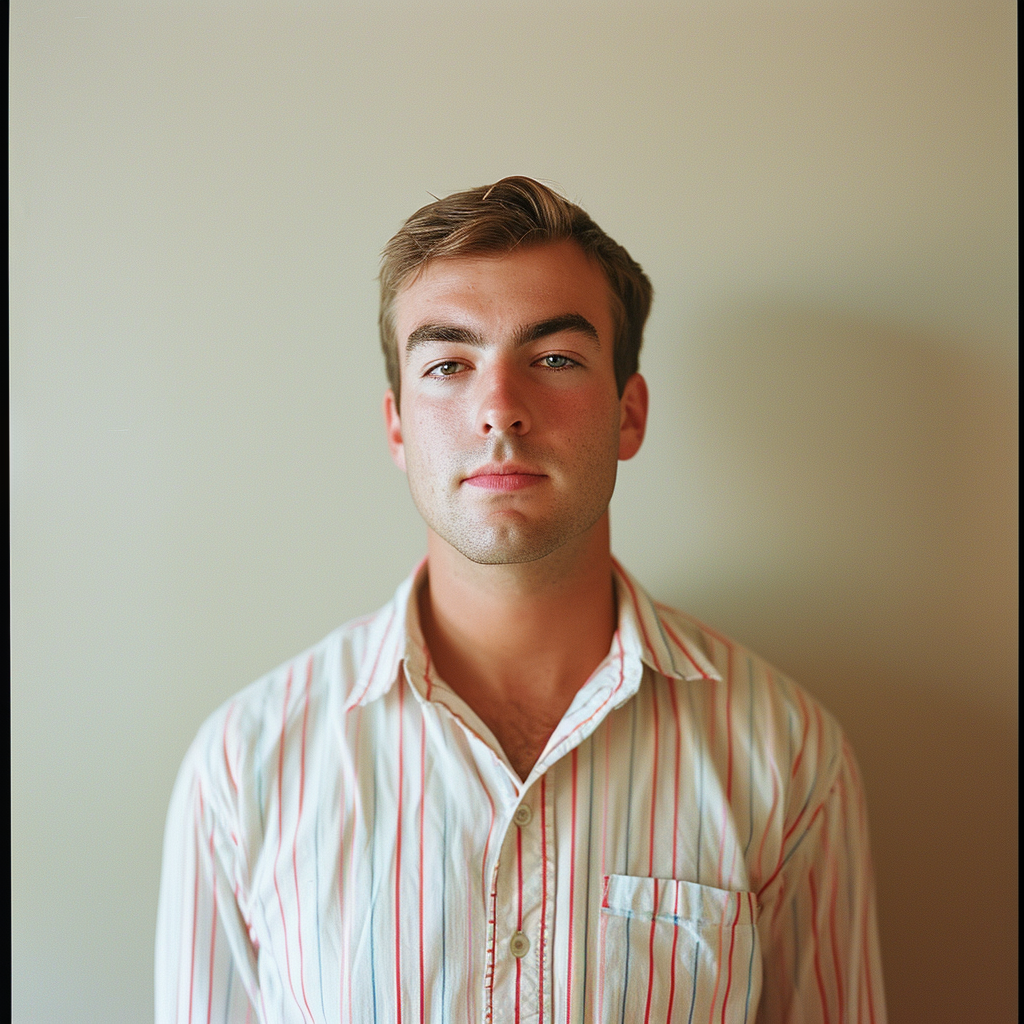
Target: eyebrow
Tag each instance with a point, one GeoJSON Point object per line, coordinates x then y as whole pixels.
{"type": "Point", "coordinates": [426, 333]}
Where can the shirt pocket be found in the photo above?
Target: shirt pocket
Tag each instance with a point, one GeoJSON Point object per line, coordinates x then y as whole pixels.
{"type": "Point", "coordinates": [677, 951]}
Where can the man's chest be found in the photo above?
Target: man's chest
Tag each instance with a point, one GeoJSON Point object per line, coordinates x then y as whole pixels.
{"type": "Point", "coordinates": [427, 886]}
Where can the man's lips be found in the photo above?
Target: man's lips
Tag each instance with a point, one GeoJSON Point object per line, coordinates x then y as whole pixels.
{"type": "Point", "coordinates": [503, 478]}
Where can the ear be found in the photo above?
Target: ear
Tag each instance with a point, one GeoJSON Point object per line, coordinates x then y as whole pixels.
{"type": "Point", "coordinates": [393, 426]}
{"type": "Point", "coordinates": [632, 416]}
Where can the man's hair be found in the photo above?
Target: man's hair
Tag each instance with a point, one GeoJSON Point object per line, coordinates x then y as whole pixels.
{"type": "Point", "coordinates": [495, 219]}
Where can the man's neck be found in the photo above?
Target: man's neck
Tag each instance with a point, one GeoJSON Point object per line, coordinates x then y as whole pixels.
{"type": "Point", "coordinates": [517, 642]}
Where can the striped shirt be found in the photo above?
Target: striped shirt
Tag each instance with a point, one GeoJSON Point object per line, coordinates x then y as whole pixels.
{"type": "Point", "coordinates": [347, 841]}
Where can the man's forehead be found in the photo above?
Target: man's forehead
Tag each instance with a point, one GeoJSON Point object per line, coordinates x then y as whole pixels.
{"type": "Point", "coordinates": [558, 274]}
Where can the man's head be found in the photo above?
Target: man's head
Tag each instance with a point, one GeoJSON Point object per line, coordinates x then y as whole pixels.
{"type": "Point", "coordinates": [495, 219]}
{"type": "Point", "coordinates": [514, 411]}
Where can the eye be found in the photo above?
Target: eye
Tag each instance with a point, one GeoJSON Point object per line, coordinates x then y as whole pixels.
{"type": "Point", "coordinates": [557, 362]}
{"type": "Point", "coordinates": [446, 369]}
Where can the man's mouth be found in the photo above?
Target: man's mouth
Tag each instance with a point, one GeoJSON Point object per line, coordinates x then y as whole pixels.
{"type": "Point", "coordinates": [504, 477]}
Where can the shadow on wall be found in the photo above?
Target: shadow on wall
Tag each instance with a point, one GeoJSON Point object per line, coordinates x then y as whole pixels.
{"type": "Point", "coordinates": [877, 478]}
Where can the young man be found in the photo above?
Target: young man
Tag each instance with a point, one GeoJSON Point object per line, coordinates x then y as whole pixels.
{"type": "Point", "coordinates": [522, 790]}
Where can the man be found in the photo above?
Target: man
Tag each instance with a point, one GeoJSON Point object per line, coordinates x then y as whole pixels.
{"type": "Point", "coordinates": [522, 791]}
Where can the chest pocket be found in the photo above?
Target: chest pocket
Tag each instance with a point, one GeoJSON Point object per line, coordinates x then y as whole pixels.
{"type": "Point", "coordinates": [677, 951]}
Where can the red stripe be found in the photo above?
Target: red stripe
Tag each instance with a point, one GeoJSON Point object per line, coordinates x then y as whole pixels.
{"type": "Point", "coordinates": [654, 784]}
{"type": "Point", "coordinates": [280, 827]}
{"type": "Point", "coordinates": [803, 738]}
{"type": "Point", "coordinates": [295, 839]}
{"type": "Point", "coordinates": [572, 887]}
{"type": "Point", "coordinates": [423, 800]}
{"type": "Point", "coordinates": [615, 690]}
{"type": "Point", "coordinates": [341, 882]}
{"type": "Point", "coordinates": [543, 885]}
{"type": "Point", "coordinates": [195, 919]}
{"type": "Point", "coordinates": [728, 722]}
{"type": "Point", "coordinates": [604, 800]}
{"type": "Point", "coordinates": [213, 932]}
{"type": "Point", "coordinates": [792, 828]}
{"type": "Point", "coordinates": [227, 759]}
{"type": "Point", "coordinates": [817, 961]}
{"type": "Point", "coordinates": [675, 784]}
{"type": "Point", "coordinates": [490, 910]}
{"type": "Point", "coordinates": [640, 619]}
{"type": "Point", "coordinates": [650, 852]}
{"type": "Point", "coordinates": [398, 857]}
{"type": "Point", "coordinates": [470, 1007]}
{"type": "Point", "coordinates": [833, 870]}
{"type": "Point", "coordinates": [675, 845]}
{"type": "Point", "coordinates": [835, 947]}
{"type": "Point", "coordinates": [376, 660]}
{"type": "Point", "coordinates": [357, 808]}
{"type": "Point", "coordinates": [727, 808]}
{"type": "Point", "coordinates": [782, 851]}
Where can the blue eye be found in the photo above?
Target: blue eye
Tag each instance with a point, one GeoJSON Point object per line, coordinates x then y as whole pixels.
{"type": "Point", "coordinates": [556, 362]}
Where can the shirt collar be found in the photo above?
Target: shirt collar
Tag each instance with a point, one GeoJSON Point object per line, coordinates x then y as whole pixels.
{"type": "Point", "coordinates": [643, 635]}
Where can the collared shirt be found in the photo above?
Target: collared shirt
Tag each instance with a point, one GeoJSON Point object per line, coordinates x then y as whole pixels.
{"type": "Point", "coordinates": [347, 841]}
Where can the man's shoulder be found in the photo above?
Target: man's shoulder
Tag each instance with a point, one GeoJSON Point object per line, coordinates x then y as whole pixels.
{"type": "Point", "coordinates": [301, 697]}
{"type": "Point", "coordinates": [762, 702]}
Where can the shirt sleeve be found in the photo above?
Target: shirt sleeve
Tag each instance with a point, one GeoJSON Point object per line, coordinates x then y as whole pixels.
{"type": "Point", "coordinates": [817, 923]}
{"type": "Point", "coordinates": [205, 960]}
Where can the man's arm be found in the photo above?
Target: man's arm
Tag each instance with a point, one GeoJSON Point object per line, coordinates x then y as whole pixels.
{"type": "Point", "coordinates": [817, 924]}
{"type": "Point", "coordinates": [205, 962]}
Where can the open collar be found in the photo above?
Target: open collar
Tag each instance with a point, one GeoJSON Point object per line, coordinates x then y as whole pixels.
{"type": "Point", "coordinates": [643, 636]}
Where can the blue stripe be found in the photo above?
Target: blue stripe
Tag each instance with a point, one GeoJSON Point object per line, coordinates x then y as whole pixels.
{"type": "Point", "coordinates": [227, 998]}
{"type": "Point", "coordinates": [695, 721]}
{"type": "Point", "coordinates": [664, 639]}
{"type": "Point", "coordinates": [693, 990]}
{"type": "Point", "coordinates": [794, 848]}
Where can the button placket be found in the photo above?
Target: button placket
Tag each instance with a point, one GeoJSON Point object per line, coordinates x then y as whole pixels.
{"type": "Point", "coordinates": [523, 898]}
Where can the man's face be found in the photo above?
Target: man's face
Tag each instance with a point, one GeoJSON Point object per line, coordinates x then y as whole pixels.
{"type": "Point", "coordinates": [511, 425]}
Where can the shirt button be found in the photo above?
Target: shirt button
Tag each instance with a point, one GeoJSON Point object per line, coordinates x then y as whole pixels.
{"type": "Point", "coordinates": [519, 944]}
{"type": "Point", "coordinates": [523, 816]}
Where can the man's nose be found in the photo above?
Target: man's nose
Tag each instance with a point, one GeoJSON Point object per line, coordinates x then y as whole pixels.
{"type": "Point", "coordinates": [503, 407]}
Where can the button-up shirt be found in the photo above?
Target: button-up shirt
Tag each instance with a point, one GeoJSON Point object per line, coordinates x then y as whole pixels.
{"type": "Point", "coordinates": [347, 841]}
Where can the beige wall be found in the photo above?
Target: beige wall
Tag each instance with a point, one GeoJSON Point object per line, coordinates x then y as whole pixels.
{"type": "Point", "coordinates": [824, 196]}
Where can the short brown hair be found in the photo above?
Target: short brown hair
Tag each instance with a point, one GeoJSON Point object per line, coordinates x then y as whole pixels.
{"type": "Point", "coordinates": [495, 219]}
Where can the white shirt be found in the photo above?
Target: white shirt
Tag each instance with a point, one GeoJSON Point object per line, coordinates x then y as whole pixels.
{"type": "Point", "coordinates": [347, 841]}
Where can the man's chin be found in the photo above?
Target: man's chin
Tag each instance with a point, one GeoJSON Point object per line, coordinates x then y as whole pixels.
{"type": "Point", "coordinates": [504, 547]}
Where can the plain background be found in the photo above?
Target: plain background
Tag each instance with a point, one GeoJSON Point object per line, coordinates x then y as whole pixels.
{"type": "Point", "coordinates": [824, 195]}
